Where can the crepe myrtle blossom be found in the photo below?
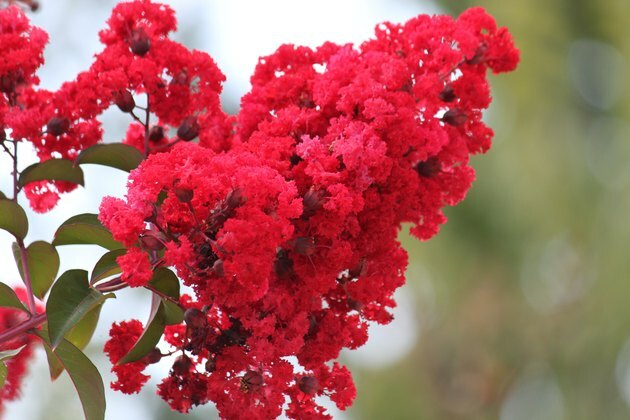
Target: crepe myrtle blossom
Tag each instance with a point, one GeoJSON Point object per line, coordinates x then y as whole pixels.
{"type": "Point", "coordinates": [282, 220]}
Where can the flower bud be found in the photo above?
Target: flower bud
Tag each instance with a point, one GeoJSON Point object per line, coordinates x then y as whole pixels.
{"type": "Point", "coordinates": [189, 129]}
{"type": "Point", "coordinates": [181, 366]}
{"type": "Point", "coordinates": [447, 94]}
{"type": "Point", "coordinates": [124, 100]}
{"type": "Point", "coordinates": [139, 42]}
{"type": "Point", "coordinates": [154, 356]}
{"type": "Point", "coordinates": [252, 381]}
{"type": "Point", "coordinates": [304, 245]}
{"type": "Point", "coordinates": [217, 267]}
{"type": "Point", "coordinates": [196, 319]}
{"type": "Point", "coordinates": [454, 117]}
{"type": "Point", "coordinates": [156, 133]}
{"type": "Point", "coordinates": [311, 202]}
{"type": "Point", "coordinates": [184, 195]}
{"type": "Point", "coordinates": [34, 5]}
{"type": "Point", "coordinates": [308, 385]}
{"type": "Point", "coordinates": [57, 126]}
{"type": "Point", "coordinates": [479, 56]}
{"type": "Point", "coordinates": [429, 167]}
{"type": "Point", "coordinates": [151, 242]}
{"type": "Point", "coordinates": [211, 365]}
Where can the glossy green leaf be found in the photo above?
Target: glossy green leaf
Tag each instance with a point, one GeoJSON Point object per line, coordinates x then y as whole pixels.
{"type": "Point", "coordinates": [107, 266]}
{"type": "Point", "coordinates": [115, 155]}
{"type": "Point", "coordinates": [80, 335]}
{"type": "Point", "coordinates": [85, 229]}
{"type": "Point", "coordinates": [86, 378]}
{"type": "Point", "coordinates": [42, 260]}
{"type": "Point", "coordinates": [71, 298]}
{"type": "Point", "coordinates": [52, 170]}
{"type": "Point", "coordinates": [151, 335]}
{"type": "Point", "coordinates": [8, 354]}
{"type": "Point", "coordinates": [166, 282]}
{"type": "Point", "coordinates": [3, 374]}
{"type": "Point", "coordinates": [13, 218]}
{"type": "Point", "coordinates": [8, 298]}
{"type": "Point", "coordinates": [173, 313]}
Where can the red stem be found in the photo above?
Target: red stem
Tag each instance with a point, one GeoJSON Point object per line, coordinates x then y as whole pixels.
{"type": "Point", "coordinates": [21, 328]}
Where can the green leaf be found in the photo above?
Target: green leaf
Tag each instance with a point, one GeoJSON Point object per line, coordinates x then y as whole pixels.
{"type": "Point", "coordinates": [80, 335]}
{"type": "Point", "coordinates": [42, 260]}
{"type": "Point", "coordinates": [13, 218]}
{"type": "Point", "coordinates": [114, 155]}
{"type": "Point", "coordinates": [52, 170]}
{"type": "Point", "coordinates": [85, 229]}
{"type": "Point", "coordinates": [71, 298]}
{"type": "Point", "coordinates": [151, 334]}
{"type": "Point", "coordinates": [86, 378]}
{"type": "Point", "coordinates": [107, 266]}
{"type": "Point", "coordinates": [8, 354]}
{"type": "Point", "coordinates": [2, 196]}
{"type": "Point", "coordinates": [8, 298]}
{"type": "Point", "coordinates": [3, 374]}
{"type": "Point", "coordinates": [166, 282]}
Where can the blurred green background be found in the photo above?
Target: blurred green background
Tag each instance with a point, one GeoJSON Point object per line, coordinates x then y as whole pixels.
{"type": "Point", "coordinates": [518, 309]}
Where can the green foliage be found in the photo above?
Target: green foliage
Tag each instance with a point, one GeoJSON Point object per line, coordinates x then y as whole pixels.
{"type": "Point", "coordinates": [106, 266]}
{"type": "Point", "coordinates": [13, 218]}
{"type": "Point", "coordinates": [114, 155]}
{"type": "Point", "coordinates": [71, 298]}
{"type": "Point", "coordinates": [42, 260]}
{"type": "Point", "coordinates": [52, 170]}
{"type": "Point", "coordinates": [85, 229]}
{"type": "Point", "coordinates": [9, 299]}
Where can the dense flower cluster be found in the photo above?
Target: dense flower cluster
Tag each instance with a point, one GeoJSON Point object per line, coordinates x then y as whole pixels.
{"type": "Point", "coordinates": [282, 220]}
{"type": "Point", "coordinates": [286, 229]}
{"type": "Point", "coordinates": [18, 364]}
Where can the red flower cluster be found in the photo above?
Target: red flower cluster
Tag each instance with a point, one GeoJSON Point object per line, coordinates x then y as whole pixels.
{"type": "Point", "coordinates": [17, 365]}
{"type": "Point", "coordinates": [283, 220]}
{"type": "Point", "coordinates": [286, 228]}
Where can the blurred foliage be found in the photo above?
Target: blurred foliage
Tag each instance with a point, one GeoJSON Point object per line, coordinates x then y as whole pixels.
{"type": "Point", "coordinates": [531, 272]}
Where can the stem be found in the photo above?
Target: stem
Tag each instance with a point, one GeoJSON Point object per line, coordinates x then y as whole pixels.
{"type": "Point", "coordinates": [15, 171]}
{"type": "Point", "coordinates": [27, 277]}
{"type": "Point", "coordinates": [146, 128]}
{"type": "Point", "coordinates": [110, 286]}
{"type": "Point", "coordinates": [21, 328]}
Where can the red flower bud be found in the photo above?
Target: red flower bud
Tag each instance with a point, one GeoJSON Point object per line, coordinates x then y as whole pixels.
{"type": "Point", "coordinates": [447, 94]}
{"type": "Point", "coordinates": [218, 268]}
{"type": "Point", "coordinates": [311, 202]}
{"type": "Point", "coordinates": [124, 100]}
{"type": "Point", "coordinates": [182, 365]}
{"type": "Point", "coordinates": [156, 133]}
{"type": "Point", "coordinates": [196, 319]}
{"type": "Point", "coordinates": [252, 381]}
{"type": "Point", "coordinates": [455, 117]}
{"type": "Point", "coordinates": [184, 195]}
{"type": "Point", "coordinates": [151, 242]}
{"type": "Point", "coordinates": [189, 129]}
{"type": "Point", "coordinates": [211, 365]}
{"type": "Point", "coordinates": [429, 167]}
{"type": "Point", "coordinates": [139, 42]}
{"type": "Point", "coordinates": [479, 56]}
{"type": "Point", "coordinates": [308, 385]}
{"type": "Point", "coordinates": [304, 245]}
{"type": "Point", "coordinates": [154, 356]}
{"type": "Point", "coordinates": [57, 126]}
